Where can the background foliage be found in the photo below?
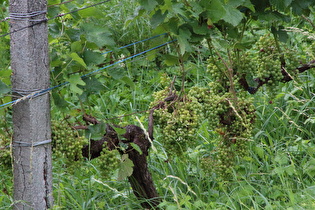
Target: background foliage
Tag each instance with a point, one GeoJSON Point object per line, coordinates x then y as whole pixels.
{"type": "Point", "coordinates": [277, 170]}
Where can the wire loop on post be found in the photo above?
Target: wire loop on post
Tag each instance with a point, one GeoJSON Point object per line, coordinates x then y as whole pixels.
{"type": "Point", "coordinates": [25, 16]}
{"type": "Point", "coordinates": [27, 144]}
{"type": "Point", "coordinates": [22, 93]}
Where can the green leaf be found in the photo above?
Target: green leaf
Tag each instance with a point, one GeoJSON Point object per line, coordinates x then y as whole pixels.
{"type": "Point", "coordinates": [90, 12]}
{"type": "Point", "coordinates": [136, 147]}
{"type": "Point", "coordinates": [170, 60]}
{"type": "Point", "coordinates": [158, 18]}
{"type": "Point", "coordinates": [76, 46]}
{"type": "Point", "coordinates": [183, 37]}
{"type": "Point", "coordinates": [73, 33]}
{"type": "Point", "coordinates": [201, 28]}
{"type": "Point", "coordinates": [92, 85]}
{"type": "Point", "coordinates": [74, 81]}
{"type": "Point", "coordinates": [177, 9]}
{"type": "Point", "coordinates": [249, 5]}
{"type": "Point", "coordinates": [119, 131]}
{"type": "Point", "coordinates": [116, 73]}
{"type": "Point", "coordinates": [92, 58]}
{"type": "Point", "coordinates": [280, 33]}
{"type": "Point", "coordinates": [148, 5]}
{"type": "Point", "coordinates": [128, 82]}
{"type": "Point", "coordinates": [101, 36]}
{"type": "Point", "coordinates": [244, 45]}
{"type": "Point", "coordinates": [96, 132]}
{"type": "Point", "coordinates": [77, 58]}
{"type": "Point", "coordinates": [215, 10]}
{"type": "Point", "coordinates": [309, 167]}
{"type": "Point", "coordinates": [59, 101]}
{"type": "Point", "coordinates": [233, 15]}
{"type": "Point", "coordinates": [4, 88]}
{"type": "Point", "coordinates": [126, 168]}
{"type": "Point", "coordinates": [196, 9]}
{"type": "Point", "coordinates": [171, 25]}
{"type": "Point", "coordinates": [281, 5]}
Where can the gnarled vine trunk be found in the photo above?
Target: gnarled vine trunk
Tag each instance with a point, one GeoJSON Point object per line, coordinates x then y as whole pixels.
{"type": "Point", "coordinates": [141, 179]}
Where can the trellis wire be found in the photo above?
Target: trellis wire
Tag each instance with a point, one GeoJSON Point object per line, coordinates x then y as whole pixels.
{"type": "Point", "coordinates": [41, 92]}
{"type": "Point", "coordinates": [128, 45]}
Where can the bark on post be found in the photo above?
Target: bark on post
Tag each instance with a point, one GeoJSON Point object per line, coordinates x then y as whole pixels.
{"type": "Point", "coordinates": [31, 117]}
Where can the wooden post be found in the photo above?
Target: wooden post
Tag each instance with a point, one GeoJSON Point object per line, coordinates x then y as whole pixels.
{"type": "Point", "coordinates": [31, 117]}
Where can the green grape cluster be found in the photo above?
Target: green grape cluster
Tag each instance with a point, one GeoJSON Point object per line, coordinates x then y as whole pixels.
{"type": "Point", "coordinates": [108, 161]}
{"type": "Point", "coordinates": [268, 60]}
{"type": "Point", "coordinates": [159, 96]}
{"type": "Point", "coordinates": [219, 80]}
{"type": "Point", "coordinates": [164, 80]}
{"type": "Point", "coordinates": [292, 61]}
{"type": "Point", "coordinates": [5, 153]}
{"type": "Point", "coordinates": [230, 114]}
{"type": "Point", "coordinates": [243, 64]}
{"type": "Point", "coordinates": [178, 120]}
{"type": "Point", "coordinates": [211, 105]}
{"type": "Point", "coordinates": [67, 143]}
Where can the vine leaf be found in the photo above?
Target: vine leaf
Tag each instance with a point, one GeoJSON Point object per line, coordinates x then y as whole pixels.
{"type": "Point", "coordinates": [96, 132]}
{"type": "Point", "coordinates": [215, 10]}
{"type": "Point", "coordinates": [90, 12]}
{"type": "Point", "coordinates": [136, 147]}
{"type": "Point", "coordinates": [148, 5]}
{"type": "Point", "coordinates": [98, 35]}
{"type": "Point", "coordinates": [233, 15]}
{"type": "Point", "coordinates": [74, 81]}
{"type": "Point", "coordinates": [92, 58]}
{"type": "Point", "coordinates": [59, 101]}
{"type": "Point", "coordinates": [171, 60]}
{"type": "Point", "coordinates": [281, 5]}
{"type": "Point", "coordinates": [183, 37]}
{"type": "Point", "coordinates": [77, 58]}
{"type": "Point", "coordinates": [126, 167]}
{"type": "Point", "coordinates": [119, 131]}
{"type": "Point", "coordinates": [4, 88]}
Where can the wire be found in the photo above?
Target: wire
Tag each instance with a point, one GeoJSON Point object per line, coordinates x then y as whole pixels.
{"type": "Point", "coordinates": [128, 45]}
{"type": "Point", "coordinates": [45, 20]}
{"type": "Point", "coordinates": [130, 57]}
{"type": "Point", "coordinates": [41, 92]}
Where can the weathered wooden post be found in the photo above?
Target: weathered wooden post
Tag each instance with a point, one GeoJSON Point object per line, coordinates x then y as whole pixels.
{"type": "Point", "coordinates": [31, 117]}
